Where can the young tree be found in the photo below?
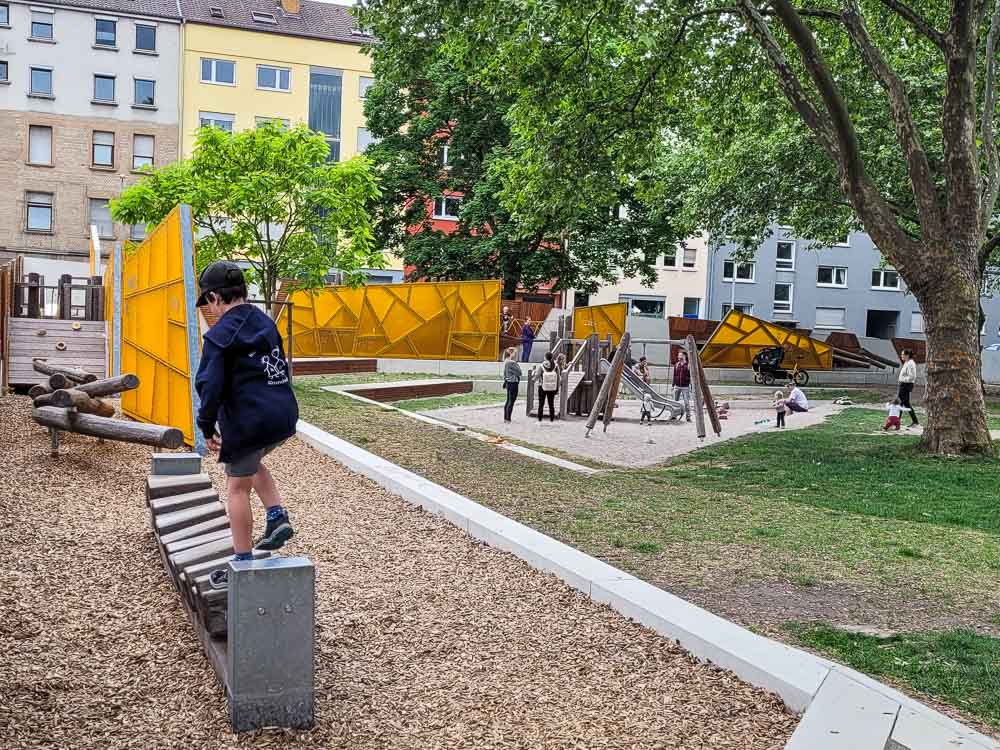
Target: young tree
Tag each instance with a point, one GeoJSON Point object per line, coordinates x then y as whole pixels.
{"type": "Point", "coordinates": [441, 133]}
{"type": "Point", "coordinates": [269, 197]}
{"type": "Point", "coordinates": [885, 121]}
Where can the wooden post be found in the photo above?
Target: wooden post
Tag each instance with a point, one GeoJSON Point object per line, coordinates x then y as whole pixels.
{"type": "Point", "coordinates": [112, 429]}
{"type": "Point", "coordinates": [529, 396]}
{"type": "Point", "coordinates": [594, 365]}
{"type": "Point", "coordinates": [53, 442]}
{"type": "Point", "coordinates": [603, 397]}
{"type": "Point", "coordinates": [616, 376]}
{"type": "Point", "coordinates": [699, 413]}
{"type": "Point", "coordinates": [291, 343]}
{"type": "Point", "coordinates": [95, 299]}
{"type": "Point", "coordinates": [65, 297]}
{"type": "Point", "coordinates": [34, 293]}
{"type": "Point", "coordinates": [706, 393]}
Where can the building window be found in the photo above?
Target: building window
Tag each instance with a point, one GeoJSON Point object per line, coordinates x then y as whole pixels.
{"type": "Point", "coordinates": [745, 272]}
{"type": "Point", "coordinates": [447, 207]}
{"type": "Point", "coordinates": [917, 322]}
{"type": "Point", "coordinates": [692, 307]}
{"type": "Point", "coordinates": [690, 257]}
{"type": "Point", "coordinates": [137, 232]}
{"type": "Point", "coordinates": [39, 212]}
{"type": "Point", "coordinates": [3, 71]}
{"type": "Point", "coordinates": [41, 24]}
{"type": "Point", "coordinates": [107, 33]}
{"type": "Point", "coordinates": [104, 149]}
{"type": "Point", "coordinates": [100, 216]}
{"type": "Point", "coordinates": [741, 307]}
{"type": "Point", "coordinates": [364, 140]}
{"type": "Point", "coordinates": [364, 84]}
{"type": "Point", "coordinates": [326, 86]}
{"type": "Point", "coordinates": [669, 259]}
{"type": "Point", "coordinates": [782, 298]}
{"type": "Point", "coordinates": [645, 307]}
{"type": "Point", "coordinates": [145, 38]}
{"type": "Point", "coordinates": [39, 144]}
{"type": "Point", "coordinates": [104, 88]}
{"type": "Point", "coordinates": [216, 120]}
{"type": "Point", "coordinates": [145, 93]}
{"type": "Point", "coordinates": [258, 121]}
{"type": "Point", "coordinates": [271, 78]}
{"type": "Point", "coordinates": [41, 81]}
{"type": "Point", "coordinates": [830, 317]}
{"type": "Point", "coordinates": [4, 14]}
{"type": "Point", "coordinates": [443, 157]}
{"type": "Point", "coordinates": [218, 71]}
{"type": "Point", "coordinates": [261, 17]}
{"type": "Point", "coordinates": [831, 276]}
{"type": "Point", "coordinates": [142, 151]}
{"type": "Point", "coordinates": [885, 279]}
{"type": "Point", "coordinates": [785, 256]}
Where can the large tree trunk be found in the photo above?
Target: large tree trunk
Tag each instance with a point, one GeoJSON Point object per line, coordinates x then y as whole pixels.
{"type": "Point", "coordinates": [956, 410]}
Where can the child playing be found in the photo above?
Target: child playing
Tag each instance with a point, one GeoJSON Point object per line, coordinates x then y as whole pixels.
{"type": "Point", "coordinates": [646, 411]}
{"type": "Point", "coordinates": [779, 407]}
{"type": "Point", "coordinates": [895, 410]}
{"type": "Point", "coordinates": [243, 385]}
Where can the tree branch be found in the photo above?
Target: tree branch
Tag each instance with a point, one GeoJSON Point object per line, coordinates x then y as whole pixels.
{"type": "Point", "coordinates": [918, 168]}
{"type": "Point", "coordinates": [992, 186]}
{"type": "Point", "coordinates": [915, 20]}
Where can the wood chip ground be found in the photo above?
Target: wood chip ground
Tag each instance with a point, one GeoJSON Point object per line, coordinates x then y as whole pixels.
{"type": "Point", "coordinates": [425, 638]}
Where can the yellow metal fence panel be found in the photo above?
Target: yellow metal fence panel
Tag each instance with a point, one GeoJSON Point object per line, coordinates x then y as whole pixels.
{"type": "Point", "coordinates": [159, 325]}
{"type": "Point", "coordinates": [602, 320]}
{"type": "Point", "coordinates": [739, 337]}
{"type": "Point", "coordinates": [438, 320]}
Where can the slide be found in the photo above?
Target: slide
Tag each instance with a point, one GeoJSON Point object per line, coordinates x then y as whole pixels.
{"type": "Point", "coordinates": [640, 388]}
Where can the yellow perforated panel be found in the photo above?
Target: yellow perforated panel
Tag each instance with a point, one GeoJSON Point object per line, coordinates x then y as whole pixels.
{"type": "Point", "coordinates": [159, 327]}
{"type": "Point", "coordinates": [739, 337]}
{"type": "Point", "coordinates": [440, 320]}
{"type": "Point", "coordinates": [602, 320]}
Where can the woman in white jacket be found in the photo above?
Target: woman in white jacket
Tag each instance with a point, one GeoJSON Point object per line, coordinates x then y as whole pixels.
{"type": "Point", "coordinates": [907, 379]}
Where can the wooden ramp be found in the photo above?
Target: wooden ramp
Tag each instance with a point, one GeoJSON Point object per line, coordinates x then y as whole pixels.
{"type": "Point", "coordinates": [70, 343]}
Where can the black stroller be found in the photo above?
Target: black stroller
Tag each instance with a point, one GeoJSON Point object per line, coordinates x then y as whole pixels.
{"type": "Point", "coordinates": [767, 368]}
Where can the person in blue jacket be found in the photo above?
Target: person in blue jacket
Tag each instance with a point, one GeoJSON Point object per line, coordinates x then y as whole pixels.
{"type": "Point", "coordinates": [527, 339]}
{"type": "Point", "coordinates": [247, 405]}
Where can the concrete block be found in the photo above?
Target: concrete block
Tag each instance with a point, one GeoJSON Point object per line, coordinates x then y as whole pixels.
{"type": "Point", "coordinates": [212, 524]}
{"type": "Point", "coordinates": [172, 464]}
{"type": "Point", "coordinates": [917, 730]}
{"type": "Point", "coordinates": [271, 643]}
{"type": "Point", "coordinates": [202, 553]}
{"type": "Point", "coordinates": [171, 522]}
{"type": "Point", "coordinates": [171, 503]}
{"type": "Point", "coordinates": [845, 714]}
{"type": "Point", "coordinates": [175, 484]}
{"type": "Point", "coordinates": [794, 675]}
{"type": "Point", "coordinates": [196, 541]}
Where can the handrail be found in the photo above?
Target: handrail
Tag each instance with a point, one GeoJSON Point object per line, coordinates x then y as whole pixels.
{"type": "Point", "coordinates": [579, 354]}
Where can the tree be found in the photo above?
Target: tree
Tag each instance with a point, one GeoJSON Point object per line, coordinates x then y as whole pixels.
{"type": "Point", "coordinates": [424, 106]}
{"type": "Point", "coordinates": [884, 121]}
{"type": "Point", "coordinates": [266, 196]}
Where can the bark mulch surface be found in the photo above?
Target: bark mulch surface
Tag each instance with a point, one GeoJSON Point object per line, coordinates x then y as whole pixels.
{"type": "Point", "coordinates": [425, 638]}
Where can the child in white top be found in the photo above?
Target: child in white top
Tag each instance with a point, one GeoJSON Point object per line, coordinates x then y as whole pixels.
{"type": "Point", "coordinates": [646, 412]}
{"type": "Point", "coordinates": [779, 407]}
{"type": "Point", "coordinates": [894, 410]}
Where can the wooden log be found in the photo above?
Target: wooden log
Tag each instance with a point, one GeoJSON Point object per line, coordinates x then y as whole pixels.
{"type": "Point", "coordinates": [609, 408]}
{"type": "Point", "coordinates": [709, 399]}
{"type": "Point", "coordinates": [113, 429]}
{"type": "Point", "coordinates": [110, 386]}
{"type": "Point", "coordinates": [73, 373]}
{"type": "Point", "coordinates": [604, 394]}
{"type": "Point", "coordinates": [67, 398]}
{"type": "Point", "coordinates": [53, 383]}
{"type": "Point", "coordinates": [696, 391]}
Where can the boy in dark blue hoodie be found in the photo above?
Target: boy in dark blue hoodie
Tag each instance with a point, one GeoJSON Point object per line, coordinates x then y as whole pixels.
{"type": "Point", "coordinates": [247, 405]}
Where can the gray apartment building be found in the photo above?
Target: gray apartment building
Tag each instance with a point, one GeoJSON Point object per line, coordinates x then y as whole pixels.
{"type": "Point", "coordinates": [847, 287]}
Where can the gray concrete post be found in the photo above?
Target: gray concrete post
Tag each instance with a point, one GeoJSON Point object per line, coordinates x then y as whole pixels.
{"type": "Point", "coordinates": [271, 643]}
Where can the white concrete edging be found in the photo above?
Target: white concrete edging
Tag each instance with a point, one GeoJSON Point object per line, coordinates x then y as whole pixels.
{"type": "Point", "coordinates": [836, 700]}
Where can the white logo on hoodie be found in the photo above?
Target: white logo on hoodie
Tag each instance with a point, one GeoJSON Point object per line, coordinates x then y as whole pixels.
{"type": "Point", "coordinates": [275, 367]}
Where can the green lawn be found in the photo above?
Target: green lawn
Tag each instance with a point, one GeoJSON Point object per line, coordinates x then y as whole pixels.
{"type": "Point", "coordinates": [831, 524]}
{"type": "Point", "coordinates": [447, 402]}
{"type": "Point", "coordinates": [958, 667]}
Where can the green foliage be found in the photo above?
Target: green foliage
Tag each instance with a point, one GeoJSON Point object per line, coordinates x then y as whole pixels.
{"type": "Point", "coordinates": [958, 667]}
{"type": "Point", "coordinates": [269, 197]}
{"type": "Point", "coordinates": [426, 97]}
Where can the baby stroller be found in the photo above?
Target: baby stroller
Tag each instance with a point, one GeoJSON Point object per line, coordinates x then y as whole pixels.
{"type": "Point", "coordinates": [767, 368]}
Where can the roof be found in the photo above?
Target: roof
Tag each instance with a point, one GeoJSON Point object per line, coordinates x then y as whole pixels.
{"type": "Point", "coordinates": [158, 8]}
{"type": "Point", "coordinates": [316, 20]}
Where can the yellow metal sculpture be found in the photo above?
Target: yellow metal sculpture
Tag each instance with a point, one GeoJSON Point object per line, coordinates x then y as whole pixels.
{"type": "Point", "coordinates": [159, 333]}
{"type": "Point", "coordinates": [739, 337]}
{"type": "Point", "coordinates": [457, 320]}
{"type": "Point", "coordinates": [602, 320]}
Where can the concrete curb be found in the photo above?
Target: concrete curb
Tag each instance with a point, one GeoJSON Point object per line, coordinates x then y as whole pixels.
{"type": "Point", "coordinates": [842, 708]}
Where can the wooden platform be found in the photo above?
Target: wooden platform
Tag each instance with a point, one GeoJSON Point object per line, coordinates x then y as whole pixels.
{"type": "Point", "coordinates": [85, 347]}
{"type": "Point", "coordinates": [326, 366]}
{"type": "Point", "coordinates": [401, 391]}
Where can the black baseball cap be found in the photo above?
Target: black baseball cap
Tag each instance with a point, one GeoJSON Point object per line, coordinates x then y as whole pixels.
{"type": "Point", "coordinates": [218, 275]}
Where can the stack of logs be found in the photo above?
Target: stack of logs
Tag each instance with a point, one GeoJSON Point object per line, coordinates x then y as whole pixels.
{"type": "Point", "coordinates": [70, 399]}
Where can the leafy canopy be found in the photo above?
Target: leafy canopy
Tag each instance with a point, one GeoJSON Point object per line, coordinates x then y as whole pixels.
{"type": "Point", "coordinates": [267, 196]}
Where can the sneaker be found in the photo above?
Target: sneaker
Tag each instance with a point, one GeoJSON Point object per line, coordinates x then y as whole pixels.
{"type": "Point", "coordinates": [219, 579]}
{"type": "Point", "coordinates": [276, 533]}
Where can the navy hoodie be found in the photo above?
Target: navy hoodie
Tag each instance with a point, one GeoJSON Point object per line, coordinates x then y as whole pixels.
{"type": "Point", "coordinates": [243, 384]}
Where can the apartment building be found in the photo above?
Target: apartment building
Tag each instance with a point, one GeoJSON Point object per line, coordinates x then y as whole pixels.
{"type": "Point", "coordinates": [88, 97]}
{"type": "Point", "coordinates": [847, 287]}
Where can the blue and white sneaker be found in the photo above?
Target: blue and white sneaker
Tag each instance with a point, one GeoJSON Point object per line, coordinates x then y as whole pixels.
{"type": "Point", "coordinates": [276, 533]}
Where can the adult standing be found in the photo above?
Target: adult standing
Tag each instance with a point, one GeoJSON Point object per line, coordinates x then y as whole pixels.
{"type": "Point", "coordinates": [908, 379]}
{"type": "Point", "coordinates": [511, 382]}
{"type": "Point", "coordinates": [505, 320]}
{"type": "Point", "coordinates": [682, 383]}
{"type": "Point", "coordinates": [548, 386]}
{"type": "Point", "coordinates": [796, 401]}
{"type": "Point", "coordinates": [527, 339]}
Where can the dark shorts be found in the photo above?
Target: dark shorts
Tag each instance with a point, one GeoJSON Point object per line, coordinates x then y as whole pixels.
{"type": "Point", "coordinates": [248, 465]}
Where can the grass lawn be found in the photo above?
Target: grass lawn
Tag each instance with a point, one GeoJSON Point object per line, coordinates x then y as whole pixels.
{"type": "Point", "coordinates": [447, 402]}
{"type": "Point", "coordinates": [832, 524]}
